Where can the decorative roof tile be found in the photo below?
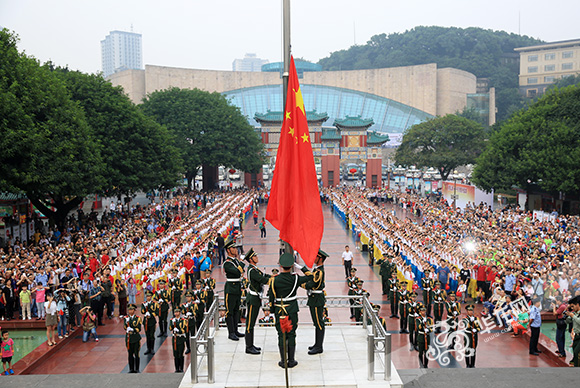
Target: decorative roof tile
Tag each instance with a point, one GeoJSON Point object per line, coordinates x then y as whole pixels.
{"type": "Point", "coordinates": [277, 116]}
{"type": "Point", "coordinates": [353, 122]}
{"type": "Point", "coordinates": [330, 134]}
{"type": "Point", "coordinates": [376, 138]}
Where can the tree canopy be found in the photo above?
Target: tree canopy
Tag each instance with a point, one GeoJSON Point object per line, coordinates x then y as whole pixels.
{"type": "Point", "coordinates": [485, 53]}
{"type": "Point", "coordinates": [538, 146]}
{"type": "Point", "coordinates": [208, 130]}
{"type": "Point", "coordinates": [443, 143]}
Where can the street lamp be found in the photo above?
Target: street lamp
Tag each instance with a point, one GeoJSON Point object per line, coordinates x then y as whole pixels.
{"type": "Point", "coordinates": [455, 189]}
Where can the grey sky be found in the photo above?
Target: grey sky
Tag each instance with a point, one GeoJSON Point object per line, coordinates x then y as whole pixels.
{"type": "Point", "coordinates": [210, 34]}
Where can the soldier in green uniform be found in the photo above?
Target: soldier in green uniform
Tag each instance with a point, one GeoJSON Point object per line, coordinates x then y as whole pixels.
{"type": "Point", "coordinates": [385, 272]}
{"type": "Point", "coordinates": [424, 326]}
{"type": "Point", "coordinates": [413, 313]}
{"type": "Point", "coordinates": [358, 303]}
{"type": "Point", "coordinates": [453, 308]}
{"type": "Point", "coordinates": [427, 286]}
{"type": "Point", "coordinates": [377, 308]}
{"type": "Point", "coordinates": [371, 248]}
{"type": "Point", "coordinates": [282, 296]}
{"type": "Point", "coordinates": [403, 297]}
{"type": "Point", "coordinates": [394, 294]}
{"type": "Point", "coordinates": [438, 296]}
{"type": "Point", "coordinates": [256, 281]}
{"type": "Point", "coordinates": [190, 310]}
{"type": "Point", "coordinates": [176, 286]}
{"type": "Point", "coordinates": [472, 328]}
{"type": "Point", "coordinates": [209, 286]}
{"type": "Point", "coordinates": [267, 319]}
{"type": "Point", "coordinates": [316, 302]}
{"type": "Point", "coordinates": [178, 326]}
{"type": "Point", "coordinates": [199, 298]}
{"type": "Point", "coordinates": [162, 296]}
{"type": "Point", "coordinates": [150, 310]}
{"type": "Point", "coordinates": [234, 270]}
{"type": "Point", "coordinates": [132, 325]}
{"type": "Point", "coordinates": [351, 282]}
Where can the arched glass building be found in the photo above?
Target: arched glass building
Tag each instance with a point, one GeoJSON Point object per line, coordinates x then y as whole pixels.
{"type": "Point", "coordinates": [389, 116]}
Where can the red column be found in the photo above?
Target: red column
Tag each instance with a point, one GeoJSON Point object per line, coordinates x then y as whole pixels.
{"type": "Point", "coordinates": [330, 163]}
{"type": "Point", "coordinates": [374, 167]}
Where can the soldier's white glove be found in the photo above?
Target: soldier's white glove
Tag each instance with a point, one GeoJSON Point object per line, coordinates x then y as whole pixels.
{"type": "Point", "coordinates": [173, 288]}
{"type": "Point", "coordinates": [188, 314]}
{"type": "Point", "coordinates": [297, 266]}
{"type": "Point", "coordinates": [147, 314]}
{"type": "Point", "coordinates": [161, 301]}
{"type": "Point", "coordinates": [176, 330]}
{"type": "Point", "coordinates": [129, 330]}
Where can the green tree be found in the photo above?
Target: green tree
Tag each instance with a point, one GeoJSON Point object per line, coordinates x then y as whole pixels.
{"type": "Point", "coordinates": [48, 151]}
{"type": "Point", "coordinates": [443, 143]}
{"type": "Point", "coordinates": [566, 81]}
{"type": "Point", "coordinates": [537, 146]}
{"type": "Point", "coordinates": [208, 131]}
{"type": "Point", "coordinates": [139, 154]}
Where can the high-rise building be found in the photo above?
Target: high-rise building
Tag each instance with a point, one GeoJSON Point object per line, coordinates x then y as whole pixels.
{"type": "Point", "coordinates": [542, 64]}
{"type": "Point", "coordinates": [121, 50]}
{"type": "Point", "coordinates": [250, 63]}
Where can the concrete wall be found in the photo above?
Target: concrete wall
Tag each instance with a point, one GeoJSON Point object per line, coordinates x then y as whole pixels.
{"type": "Point", "coordinates": [424, 87]}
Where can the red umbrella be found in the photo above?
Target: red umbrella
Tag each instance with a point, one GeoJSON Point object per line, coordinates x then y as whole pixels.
{"type": "Point", "coordinates": [352, 170]}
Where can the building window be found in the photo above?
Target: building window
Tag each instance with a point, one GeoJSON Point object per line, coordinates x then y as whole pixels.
{"type": "Point", "coordinates": [550, 68]}
{"type": "Point", "coordinates": [532, 80]}
{"type": "Point", "coordinates": [549, 79]}
{"type": "Point", "coordinates": [550, 56]}
{"type": "Point", "coordinates": [567, 66]}
{"type": "Point", "coordinates": [568, 54]}
{"type": "Point", "coordinates": [532, 92]}
{"type": "Point", "coordinates": [532, 58]}
{"type": "Point", "coordinates": [331, 177]}
{"type": "Point", "coordinates": [374, 180]}
{"type": "Point", "coordinates": [532, 69]}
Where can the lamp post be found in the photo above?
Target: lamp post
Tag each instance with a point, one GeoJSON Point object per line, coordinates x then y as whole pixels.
{"type": "Point", "coordinates": [454, 190]}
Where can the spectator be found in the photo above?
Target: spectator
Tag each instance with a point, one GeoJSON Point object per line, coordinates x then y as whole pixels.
{"type": "Point", "coordinates": [132, 291]}
{"type": "Point", "coordinates": [122, 295]}
{"type": "Point", "coordinates": [7, 347]}
{"type": "Point", "coordinates": [89, 323]}
{"type": "Point", "coordinates": [443, 274]}
{"type": "Point", "coordinates": [25, 299]}
{"type": "Point", "coordinates": [220, 247]}
{"type": "Point", "coordinates": [263, 228]}
{"type": "Point", "coordinates": [51, 319]}
{"type": "Point", "coordinates": [347, 257]}
{"type": "Point", "coordinates": [62, 300]}
{"type": "Point", "coordinates": [558, 309]}
{"type": "Point", "coordinates": [204, 264]}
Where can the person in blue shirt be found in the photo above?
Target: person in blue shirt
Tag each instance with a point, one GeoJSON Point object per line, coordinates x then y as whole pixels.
{"type": "Point", "coordinates": [535, 325]}
{"type": "Point", "coordinates": [510, 281]}
{"type": "Point", "coordinates": [42, 278]}
{"type": "Point", "coordinates": [443, 274]}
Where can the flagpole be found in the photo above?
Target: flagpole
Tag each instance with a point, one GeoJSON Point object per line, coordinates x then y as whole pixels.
{"type": "Point", "coordinates": [286, 74]}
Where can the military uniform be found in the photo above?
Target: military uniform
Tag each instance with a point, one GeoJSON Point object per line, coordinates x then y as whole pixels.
{"type": "Point", "coordinates": [256, 281]}
{"type": "Point", "coordinates": [472, 327]}
{"type": "Point", "coordinates": [266, 320]}
{"type": "Point", "coordinates": [162, 297]}
{"type": "Point", "coordinates": [234, 270]}
{"type": "Point", "coordinates": [191, 311]}
{"type": "Point", "coordinates": [438, 296]}
{"type": "Point", "coordinates": [178, 326]}
{"type": "Point", "coordinates": [209, 286]}
{"type": "Point", "coordinates": [427, 286]}
{"type": "Point", "coordinates": [394, 296]}
{"type": "Point", "coordinates": [150, 310]}
{"type": "Point", "coordinates": [176, 286]}
{"type": "Point", "coordinates": [453, 308]}
{"type": "Point", "coordinates": [413, 313]}
{"type": "Point", "coordinates": [403, 297]}
{"type": "Point", "coordinates": [386, 271]}
{"type": "Point", "coordinates": [316, 303]}
{"type": "Point", "coordinates": [132, 325]}
{"type": "Point", "coordinates": [199, 298]}
{"type": "Point", "coordinates": [371, 248]}
{"type": "Point", "coordinates": [424, 326]}
{"type": "Point", "coordinates": [358, 303]}
{"type": "Point", "coordinates": [282, 296]}
{"type": "Point", "coordinates": [351, 283]}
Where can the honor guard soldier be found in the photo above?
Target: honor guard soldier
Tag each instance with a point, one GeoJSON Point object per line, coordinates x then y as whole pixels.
{"type": "Point", "coordinates": [191, 310]}
{"type": "Point", "coordinates": [234, 270]}
{"type": "Point", "coordinates": [316, 302]}
{"type": "Point", "coordinates": [403, 297]}
{"type": "Point", "coordinates": [377, 308]}
{"type": "Point", "coordinates": [453, 308]}
{"type": "Point", "coordinates": [282, 295]}
{"type": "Point", "coordinates": [358, 303]}
{"type": "Point", "coordinates": [267, 319]}
{"type": "Point", "coordinates": [438, 296]}
{"type": "Point", "coordinates": [209, 286]}
{"type": "Point", "coordinates": [149, 310]}
{"type": "Point", "coordinates": [162, 298]}
{"type": "Point", "coordinates": [472, 328]}
{"type": "Point", "coordinates": [199, 298]}
{"type": "Point", "coordinates": [352, 285]}
{"type": "Point", "coordinates": [413, 312]}
{"type": "Point", "coordinates": [424, 326]}
{"type": "Point", "coordinates": [176, 286]}
{"type": "Point", "coordinates": [427, 286]}
{"type": "Point", "coordinates": [385, 272]}
{"type": "Point", "coordinates": [132, 325]}
{"type": "Point", "coordinates": [256, 281]}
{"type": "Point", "coordinates": [371, 248]}
{"type": "Point", "coordinates": [178, 326]}
{"type": "Point", "coordinates": [394, 294]}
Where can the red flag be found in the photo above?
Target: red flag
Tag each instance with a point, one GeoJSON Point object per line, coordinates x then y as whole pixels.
{"type": "Point", "coordinates": [294, 207]}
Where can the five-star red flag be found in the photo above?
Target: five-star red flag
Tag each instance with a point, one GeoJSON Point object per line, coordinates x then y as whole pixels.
{"type": "Point", "coordinates": [294, 207]}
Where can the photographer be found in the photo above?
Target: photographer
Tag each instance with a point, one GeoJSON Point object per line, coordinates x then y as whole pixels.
{"type": "Point", "coordinates": [89, 323]}
{"type": "Point", "coordinates": [558, 308]}
{"type": "Point", "coordinates": [573, 317]}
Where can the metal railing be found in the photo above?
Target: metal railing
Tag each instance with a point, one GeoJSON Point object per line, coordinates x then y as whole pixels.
{"type": "Point", "coordinates": [378, 342]}
{"type": "Point", "coordinates": [202, 344]}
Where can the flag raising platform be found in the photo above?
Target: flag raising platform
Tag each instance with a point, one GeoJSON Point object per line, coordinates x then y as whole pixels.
{"type": "Point", "coordinates": [343, 363]}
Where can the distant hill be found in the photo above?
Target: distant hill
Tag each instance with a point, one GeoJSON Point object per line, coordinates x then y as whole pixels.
{"type": "Point", "coordinates": [485, 53]}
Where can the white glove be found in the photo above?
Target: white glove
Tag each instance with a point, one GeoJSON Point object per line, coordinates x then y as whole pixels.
{"type": "Point", "coordinates": [129, 330]}
{"type": "Point", "coordinates": [173, 288]}
{"type": "Point", "coordinates": [188, 314]}
{"type": "Point", "coordinates": [147, 314]}
{"type": "Point", "coordinates": [176, 330]}
{"type": "Point", "coordinates": [161, 301]}
{"type": "Point", "coordinates": [297, 267]}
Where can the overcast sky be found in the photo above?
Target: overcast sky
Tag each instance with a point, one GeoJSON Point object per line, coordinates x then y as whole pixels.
{"type": "Point", "coordinates": [210, 34]}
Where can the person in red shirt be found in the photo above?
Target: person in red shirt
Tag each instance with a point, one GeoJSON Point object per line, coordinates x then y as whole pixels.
{"type": "Point", "coordinates": [189, 265]}
{"type": "Point", "coordinates": [481, 269]}
{"type": "Point", "coordinates": [255, 215]}
{"type": "Point", "coordinates": [105, 258]}
{"type": "Point", "coordinates": [489, 278]}
{"type": "Point", "coordinates": [93, 263]}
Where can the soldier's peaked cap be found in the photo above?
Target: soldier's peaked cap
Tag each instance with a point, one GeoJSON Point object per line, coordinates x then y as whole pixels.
{"type": "Point", "coordinates": [286, 260]}
{"type": "Point", "coordinates": [230, 243]}
{"type": "Point", "coordinates": [251, 253]}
